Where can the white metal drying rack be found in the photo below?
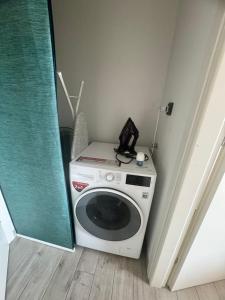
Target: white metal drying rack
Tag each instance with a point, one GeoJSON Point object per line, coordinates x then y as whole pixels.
{"type": "Point", "coordinates": [68, 97]}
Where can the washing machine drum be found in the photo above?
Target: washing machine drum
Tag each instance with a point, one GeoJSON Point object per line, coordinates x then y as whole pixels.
{"type": "Point", "coordinates": [108, 214]}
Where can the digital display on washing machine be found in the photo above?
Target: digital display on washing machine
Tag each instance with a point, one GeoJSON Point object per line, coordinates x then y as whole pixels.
{"type": "Point", "coordinates": [138, 180]}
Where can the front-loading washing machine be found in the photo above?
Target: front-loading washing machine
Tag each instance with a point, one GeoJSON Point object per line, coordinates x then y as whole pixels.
{"type": "Point", "coordinates": [111, 203]}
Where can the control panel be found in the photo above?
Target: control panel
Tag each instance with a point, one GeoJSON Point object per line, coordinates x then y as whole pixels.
{"type": "Point", "coordinates": [110, 177]}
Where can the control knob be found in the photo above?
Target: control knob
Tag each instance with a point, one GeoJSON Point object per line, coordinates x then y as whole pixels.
{"type": "Point", "coordinates": [109, 177]}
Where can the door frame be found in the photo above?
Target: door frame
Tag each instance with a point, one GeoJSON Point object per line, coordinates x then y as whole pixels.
{"type": "Point", "coordinates": [8, 233]}
{"type": "Point", "coordinates": [4, 255]}
{"type": "Point", "coordinates": [199, 156]}
{"type": "Point", "coordinates": [6, 221]}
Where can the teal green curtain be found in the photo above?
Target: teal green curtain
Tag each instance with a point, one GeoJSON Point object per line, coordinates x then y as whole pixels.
{"type": "Point", "coordinates": [31, 169]}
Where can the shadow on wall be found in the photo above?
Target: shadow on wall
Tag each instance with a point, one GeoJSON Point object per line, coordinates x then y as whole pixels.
{"type": "Point", "coordinates": [121, 49]}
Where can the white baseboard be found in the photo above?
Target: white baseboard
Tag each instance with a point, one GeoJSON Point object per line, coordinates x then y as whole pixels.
{"type": "Point", "coordinates": [11, 236]}
{"type": "Point", "coordinates": [45, 243]}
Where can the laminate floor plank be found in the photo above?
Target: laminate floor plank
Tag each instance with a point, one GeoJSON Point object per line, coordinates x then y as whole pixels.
{"type": "Point", "coordinates": [207, 292]}
{"type": "Point", "coordinates": [21, 276]}
{"type": "Point", "coordinates": [220, 287]}
{"type": "Point", "coordinates": [103, 278]}
{"type": "Point", "coordinates": [80, 287]}
{"type": "Point", "coordinates": [165, 294]}
{"type": "Point", "coordinates": [142, 289]}
{"type": "Point", "coordinates": [63, 276]}
{"type": "Point", "coordinates": [188, 294]}
{"type": "Point", "coordinates": [123, 287]}
{"type": "Point", "coordinates": [41, 272]}
{"type": "Point", "coordinates": [20, 251]}
{"type": "Point", "coordinates": [37, 271]}
{"type": "Point", "coordinates": [88, 261]}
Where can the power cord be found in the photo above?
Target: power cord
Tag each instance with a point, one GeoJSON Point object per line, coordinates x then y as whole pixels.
{"type": "Point", "coordinates": [130, 156]}
{"type": "Point", "coordinates": [124, 162]}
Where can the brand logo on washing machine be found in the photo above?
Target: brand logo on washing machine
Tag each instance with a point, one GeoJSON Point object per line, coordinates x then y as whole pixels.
{"type": "Point", "coordinates": [79, 186]}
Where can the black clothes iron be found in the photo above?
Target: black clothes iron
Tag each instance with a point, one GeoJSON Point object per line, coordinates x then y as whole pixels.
{"type": "Point", "coordinates": [128, 138]}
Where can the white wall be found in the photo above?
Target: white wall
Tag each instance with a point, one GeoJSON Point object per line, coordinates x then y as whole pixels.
{"type": "Point", "coordinates": [206, 258]}
{"type": "Point", "coordinates": [197, 25]}
{"type": "Point", "coordinates": [121, 49]}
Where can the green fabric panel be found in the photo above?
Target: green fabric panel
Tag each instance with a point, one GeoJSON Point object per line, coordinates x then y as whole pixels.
{"type": "Point", "coordinates": [31, 169]}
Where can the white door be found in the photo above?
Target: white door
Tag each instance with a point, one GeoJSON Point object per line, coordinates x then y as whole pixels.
{"type": "Point", "coordinates": [4, 251]}
{"type": "Point", "coordinates": [202, 258]}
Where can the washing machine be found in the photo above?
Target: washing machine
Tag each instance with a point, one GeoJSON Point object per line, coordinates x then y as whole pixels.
{"type": "Point", "coordinates": [111, 203]}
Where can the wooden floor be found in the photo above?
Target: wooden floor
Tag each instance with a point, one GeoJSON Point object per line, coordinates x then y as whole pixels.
{"type": "Point", "coordinates": [41, 272]}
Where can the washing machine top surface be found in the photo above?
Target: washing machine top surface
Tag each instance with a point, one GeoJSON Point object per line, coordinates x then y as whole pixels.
{"type": "Point", "coordinates": [102, 155]}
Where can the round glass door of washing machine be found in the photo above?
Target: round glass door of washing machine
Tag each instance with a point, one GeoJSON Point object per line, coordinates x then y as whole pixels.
{"type": "Point", "coordinates": [108, 214]}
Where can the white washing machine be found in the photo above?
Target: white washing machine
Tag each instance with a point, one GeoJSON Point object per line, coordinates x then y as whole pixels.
{"type": "Point", "coordinates": [111, 203]}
